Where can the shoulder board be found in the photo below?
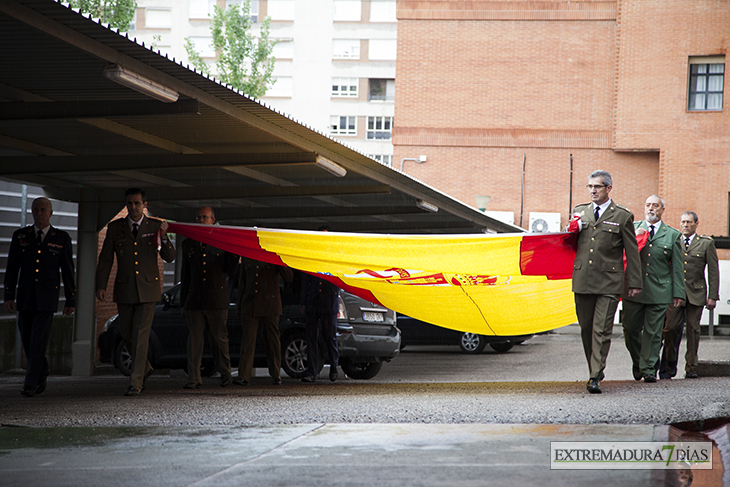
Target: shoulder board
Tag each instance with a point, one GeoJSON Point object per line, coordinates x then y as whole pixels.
{"type": "Point", "coordinates": [583, 205]}
{"type": "Point", "coordinates": [706, 237]}
{"type": "Point", "coordinates": [621, 207]}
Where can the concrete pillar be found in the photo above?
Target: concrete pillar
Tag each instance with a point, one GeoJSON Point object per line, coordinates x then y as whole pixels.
{"type": "Point", "coordinates": [84, 337]}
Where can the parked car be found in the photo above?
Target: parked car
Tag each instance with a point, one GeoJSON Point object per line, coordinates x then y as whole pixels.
{"type": "Point", "coordinates": [417, 332]}
{"type": "Point", "coordinates": [367, 336]}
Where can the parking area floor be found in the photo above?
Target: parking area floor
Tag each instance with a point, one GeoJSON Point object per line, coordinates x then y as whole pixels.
{"type": "Point", "coordinates": [432, 417]}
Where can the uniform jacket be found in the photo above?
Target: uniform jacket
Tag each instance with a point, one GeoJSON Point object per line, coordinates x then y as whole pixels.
{"type": "Point", "coordinates": [205, 276]}
{"type": "Point", "coordinates": [661, 266]}
{"type": "Point", "coordinates": [138, 277]}
{"type": "Point", "coordinates": [318, 296]}
{"type": "Point", "coordinates": [258, 287]}
{"type": "Point", "coordinates": [598, 267]}
{"type": "Point", "coordinates": [701, 253]}
{"type": "Point", "coordinates": [39, 285]}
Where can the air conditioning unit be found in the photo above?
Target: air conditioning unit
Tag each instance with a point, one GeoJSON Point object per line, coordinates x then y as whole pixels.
{"type": "Point", "coordinates": [544, 222]}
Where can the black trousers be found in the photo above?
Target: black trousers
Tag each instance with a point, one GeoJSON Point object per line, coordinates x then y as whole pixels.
{"type": "Point", "coordinates": [324, 324]}
{"type": "Point", "coordinates": [35, 332]}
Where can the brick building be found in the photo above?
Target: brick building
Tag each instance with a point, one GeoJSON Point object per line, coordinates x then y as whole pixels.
{"type": "Point", "coordinates": [505, 97]}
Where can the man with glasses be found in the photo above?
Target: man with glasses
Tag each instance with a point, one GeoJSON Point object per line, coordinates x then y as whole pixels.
{"type": "Point", "coordinates": [605, 231]}
{"type": "Point", "coordinates": [205, 299]}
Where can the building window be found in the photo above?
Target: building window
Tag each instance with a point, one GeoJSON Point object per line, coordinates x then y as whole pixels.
{"type": "Point", "coordinates": [381, 89]}
{"type": "Point", "coordinates": [346, 10]}
{"type": "Point", "coordinates": [344, 87]}
{"type": "Point", "coordinates": [706, 80]}
{"type": "Point", "coordinates": [346, 49]}
{"type": "Point", "coordinates": [157, 18]}
{"type": "Point", "coordinates": [281, 9]}
{"type": "Point", "coordinates": [382, 49]}
{"type": "Point", "coordinates": [283, 49]}
{"type": "Point", "coordinates": [382, 11]}
{"type": "Point", "coordinates": [281, 86]}
{"type": "Point", "coordinates": [379, 128]}
{"type": "Point", "coordinates": [343, 125]}
{"type": "Point", "coordinates": [204, 46]}
{"type": "Point", "coordinates": [386, 159]}
{"type": "Point", "coordinates": [201, 9]}
{"type": "Point", "coordinates": [253, 12]}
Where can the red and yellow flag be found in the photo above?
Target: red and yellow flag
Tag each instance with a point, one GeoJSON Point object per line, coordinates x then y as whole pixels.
{"type": "Point", "coordinates": [503, 284]}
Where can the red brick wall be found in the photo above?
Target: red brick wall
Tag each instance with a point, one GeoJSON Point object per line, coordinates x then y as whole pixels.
{"type": "Point", "coordinates": [480, 83]}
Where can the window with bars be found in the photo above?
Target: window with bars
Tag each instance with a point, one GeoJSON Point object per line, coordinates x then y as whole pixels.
{"type": "Point", "coordinates": [343, 125]}
{"type": "Point", "coordinates": [379, 128]}
{"type": "Point", "coordinates": [344, 87]}
{"type": "Point", "coordinates": [706, 82]}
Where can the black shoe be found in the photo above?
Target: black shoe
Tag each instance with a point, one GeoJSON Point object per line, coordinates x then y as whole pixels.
{"type": "Point", "coordinates": [277, 381]}
{"type": "Point", "coordinates": [691, 375]}
{"type": "Point", "coordinates": [240, 382]}
{"type": "Point", "coordinates": [225, 380]}
{"type": "Point", "coordinates": [649, 378]}
{"type": "Point", "coordinates": [193, 385]}
{"type": "Point", "coordinates": [593, 386]}
{"type": "Point", "coordinates": [27, 392]}
{"type": "Point", "coordinates": [41, 384]}
{"type": "Point", "coordinates": [133, 391]}
{"type": "Point", "coordinates": [333, 373]}
{"type": "Point", "coordinates": [309, 378]}
{"type": "Point", "coordinates": [637, 373]}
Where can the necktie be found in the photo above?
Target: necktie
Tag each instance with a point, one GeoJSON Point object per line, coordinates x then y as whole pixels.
{"type": "Point", "coordinates": [40, 237]}
{"type": "Point", "coordinates": [686, 243]}
{"type": "Point", "coordinates": [651, 231]}
{"type": "Point", "coordinates": [597, 208]}
{"type": "Point", "coordinates": [135, 230]}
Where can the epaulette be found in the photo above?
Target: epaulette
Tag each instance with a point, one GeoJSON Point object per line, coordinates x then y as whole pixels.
{"type": "Point", "coordinates": [622, 207]}
{"type": "Point", "coordinates": [707, 237]}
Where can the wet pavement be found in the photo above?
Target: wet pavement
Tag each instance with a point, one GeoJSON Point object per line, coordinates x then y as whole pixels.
{"type": "Point", "coordinates": [433, 416]}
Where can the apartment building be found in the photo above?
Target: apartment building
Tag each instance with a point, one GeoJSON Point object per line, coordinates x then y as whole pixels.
{"type": "Point", "coordinates": [335, 60]}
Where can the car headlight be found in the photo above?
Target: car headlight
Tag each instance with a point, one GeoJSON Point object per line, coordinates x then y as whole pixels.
{"type": "Point", "coordinates": [109, 322]}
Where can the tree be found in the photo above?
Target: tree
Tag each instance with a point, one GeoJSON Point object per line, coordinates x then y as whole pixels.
{"type": "Point", "coordinates": [116, 13]}
{"type": "Point", "coordinates": [244, 61]}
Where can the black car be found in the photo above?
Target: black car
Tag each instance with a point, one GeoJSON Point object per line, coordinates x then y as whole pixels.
{"type": "Point", "coordinates": [417, 332]}
{"type": "Point", "coordinates": [367, 336]}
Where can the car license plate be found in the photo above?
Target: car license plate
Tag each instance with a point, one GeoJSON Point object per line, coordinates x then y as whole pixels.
{"type": "Point", "coordinates": [370, 316]}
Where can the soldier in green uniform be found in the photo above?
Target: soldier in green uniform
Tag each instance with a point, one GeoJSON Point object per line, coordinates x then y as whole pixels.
{"type": "Point", "coordinates": [605, 232]}
{"type": "Point", "coordinates": [699, 252]}
{"type": "Point", "coordinates": [662, 271]}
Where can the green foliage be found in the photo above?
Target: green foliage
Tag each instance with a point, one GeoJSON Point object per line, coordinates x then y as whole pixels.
{"type": "Point", "coordinates": [244, 61]}
{"type": "Point", "coordinates": [116, 13]}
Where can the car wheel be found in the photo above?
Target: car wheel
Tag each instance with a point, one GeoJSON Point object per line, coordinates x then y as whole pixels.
{"type": "Point", "coordinates": [472, 343]}
{"type": "Point", "coordinates": [123, 359]}
{"type": "Point", "coordinates": [502, 347]}
{"type": "Point", "coordinates": [360, 370]}
{"type": "Point", "coordinates": [294, 355]}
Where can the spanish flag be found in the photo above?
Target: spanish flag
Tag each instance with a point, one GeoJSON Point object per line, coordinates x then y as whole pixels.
{"type": "Point", "coordinates": [500, 284]}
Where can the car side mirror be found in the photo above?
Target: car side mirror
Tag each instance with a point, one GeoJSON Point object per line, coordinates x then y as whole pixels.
{"type": "Point", "coordinates": [166, 302]}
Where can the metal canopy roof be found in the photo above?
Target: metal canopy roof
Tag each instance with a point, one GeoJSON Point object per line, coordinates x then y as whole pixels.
{"type": "Point", "coordinates": [81, 136]}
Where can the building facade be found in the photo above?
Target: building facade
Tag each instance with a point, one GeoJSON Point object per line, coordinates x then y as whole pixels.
{"type": "Point", "coordinates": [517, 101]}
{"type": "Point", "coordinates": [335, 59]}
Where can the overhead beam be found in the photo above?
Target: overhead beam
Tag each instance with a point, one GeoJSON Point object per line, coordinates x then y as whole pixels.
{"type": "Point", "coordinates": [230, 214]}
{"type": "Point", "coordinates": [60, 110]}
{"type": "Point", "coordinates": [21, 165]}
{"type": "Point", "coordinates": [206, 193]}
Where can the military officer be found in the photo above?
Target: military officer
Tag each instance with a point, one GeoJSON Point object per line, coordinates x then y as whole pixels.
{"type": "Point", "coordinates": [137, 287]}
{"type": "Point", "coordinates": [605, 231]}
{"type": "Point", "coordinates": [663, 284]}
{"type": "Point", "coordinates": [205, 300]}
{"type": "Point", "coordinates": [37, 253]}
{"type": "Point", "coordinates": [698, 252]}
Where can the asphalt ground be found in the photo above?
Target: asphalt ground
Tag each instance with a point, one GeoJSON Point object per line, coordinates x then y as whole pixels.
{"type": "Point", "coordinates": [433, 416]}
